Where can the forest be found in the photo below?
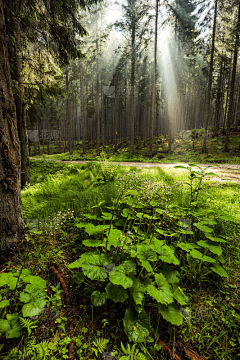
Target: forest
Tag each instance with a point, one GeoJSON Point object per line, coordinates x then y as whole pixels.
{"type": "Point", "coordinates": [119, 180]}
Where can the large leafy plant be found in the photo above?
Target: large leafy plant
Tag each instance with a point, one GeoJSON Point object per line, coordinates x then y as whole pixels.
{"type": "Point", "coordinates": [136, 252]}
{"type": "Point", "coordinates": [21, 295]}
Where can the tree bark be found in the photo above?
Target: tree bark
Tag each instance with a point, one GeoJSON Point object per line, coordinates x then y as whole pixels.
{"type": "Point", "coordinates": [204, 147]}
{"type": "Point", "coordinates": [232, 89]}
{"type": "Point", "coordinates": [17, 67]}
{"type": "Point", "coordinates": [132, 93]}
{"type": "Point", "coordinates": [11, 219]}
{"type": "Point", "coordinates": [154, 81]}
{"type": "Point", "coordinates": [83, 117]}
{"type": "Point", "coordinates": [68, 115]}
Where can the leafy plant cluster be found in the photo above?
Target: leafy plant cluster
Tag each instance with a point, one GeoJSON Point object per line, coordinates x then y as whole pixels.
{"type": "Point", "coordinates": [22, 296]}
{"type": "Point", "coordinates": [138, 251]}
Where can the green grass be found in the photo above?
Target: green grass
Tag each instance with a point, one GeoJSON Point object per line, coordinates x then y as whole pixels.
{"type": "Point", "coordinates": [213, 328]}
{"type": "Point", "coordinates": [182, 151]}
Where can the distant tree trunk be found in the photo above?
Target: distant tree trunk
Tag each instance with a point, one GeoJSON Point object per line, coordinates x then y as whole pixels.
{"type": "Point", "coordinates": [97, 106]}
{"type": "Point", "coordinates": [16, 60]}
{"type": "Point", "coordinates": [204, 147]}
{"type": "Point", "coordinates": [218, 103]}
{"type": "Point", "coordinates": [232, 89]}
{"type": "Point", "coordinates": [83, 117]}
{"type": "Point", "coordinates": [11, 219]}
{"type": "Point", "coordinates": [154, 81]}
{"type": "Point", "coordinates": [132, 93]}
{"type": "Point", "coordinates": [68, 115]}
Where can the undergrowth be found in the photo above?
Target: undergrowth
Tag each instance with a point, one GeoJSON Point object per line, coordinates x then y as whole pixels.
{"type": "Point", "coordinates": [157, 258]}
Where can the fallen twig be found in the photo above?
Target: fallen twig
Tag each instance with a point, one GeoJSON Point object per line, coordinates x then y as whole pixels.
{"type": "Point", "coordinates": [173, 356]}
{"type": "Point", "coordinates": [192, 355]}
{"type": "Point", "coordinates": [68, 301]}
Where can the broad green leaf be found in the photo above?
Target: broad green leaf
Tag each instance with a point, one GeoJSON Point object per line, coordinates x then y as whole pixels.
{"type": "Point", "coordinates": [171, 275]}
{"type": "Point", "coordinates": [125, 212]}
{"type": "Point", "coordinates": [156, 245]}
{"type": "Point", "coordinates": [37, 281]}
{"type": "Point", "coordinates": [78, 278]}
{"type": "Point", "coordinates": [163, 293]}
{"type": "Point", "coordinates": [187, 247]}
{"type": "Point", "coordinates": [92, 265]}
{"type": "Point", "coordinates": [119, 275]}
{"type": "Point", "coordinates": [181, 167]}
{"type": "Point", "coordinates": [137, 326]}
{"type": "Point", "coordinates": [147, 265]}
{"type": "Point", "coordinates": [15, 326]}
{"type": "Point", "coordinates": [138, 291]}
{"type": "Point", "coordinates": [81, 225]}
{"type": "Point", "coordinates": [114, 237]}
{"type": "Point", "coordinates": [107, 216]}
{"type": "Point", "coordinates": [116, 293]}
{"type": "Point", "coordinates": [98, 298]}
{"type": "Point", "coordinates": [35, 299]}
{"type": "Point", "coordinates": [222, 216]}
{"type": "Point", "coordinates": [201, 226]}
{"type": "Point", "coordinates": [92, 242]}
{"type": "Point", "coordinates": [219, 270]}
{"type": "Point", "coordinates": [145, 252]}
{"type": "Point", "coordinates": [166, 254]}
{"type": "Point", "coordinates": [214, 238]}
{"type": "Point", "coordinates": [215, 249]}
{"type": "Point", "coordinates": [90, 216]}
{"type": "Point", "coordinates": [211, 174]}
{"type": "Point", "coordinates": [171, 313]}
{"type": "Point", "coordinates": [208, 259]}
{"type": "Point", "coordinates": [198, 255]}
{"type": "Point", "coordinates": [4, 325]}
{"type": "Point", "coordinates": [8, 279]}
{"type": "Point", "coordinates": [179, 295]}
{"type": "Point", "coordinates": [93, 230]}
{"type": "Point", "coordinates": [3, 304]}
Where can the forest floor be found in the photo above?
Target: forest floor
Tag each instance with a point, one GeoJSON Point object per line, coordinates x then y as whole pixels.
{"type": "Point", "coordinates": [173, 243]}
{"type": "Point", "coordinates": [184, 150]}
{"type": "Point", "coordinates": [225, 172]}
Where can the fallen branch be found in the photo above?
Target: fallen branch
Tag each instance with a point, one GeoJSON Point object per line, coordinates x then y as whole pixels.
{"type": "Point", "coordinates": [165, 347]}
{"type": "Point", "coordinates": [68, 301]}
{"type": "Point", "coordinates": [192, 355]}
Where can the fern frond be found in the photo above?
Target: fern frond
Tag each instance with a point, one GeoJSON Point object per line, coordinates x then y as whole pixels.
{"type": "Point", "coordinates": [101, 344]}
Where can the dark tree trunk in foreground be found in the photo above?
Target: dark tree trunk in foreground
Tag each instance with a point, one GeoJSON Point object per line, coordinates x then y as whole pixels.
{"type": "Point", "coordinates": [232, 89]}
{"type": "Point", "coordinates": [204, 148]}
{"type": "Point", "coordinates": [11, 219]}
{"type": "Point", "coordinates": [16, 54]}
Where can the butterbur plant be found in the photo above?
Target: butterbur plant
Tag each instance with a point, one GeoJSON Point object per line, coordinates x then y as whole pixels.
{"type": "Point", "coordinates": [135, 255]}
{"type": "Point", "coordinates": [22, 295]}
{"type": "Point", "coordinates": [132, 272]}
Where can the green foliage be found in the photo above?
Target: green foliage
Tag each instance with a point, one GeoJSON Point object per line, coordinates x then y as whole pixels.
{"type": "Point", "coordinates": [30, 301]}
{"type": "Point", "coordinates": [135, 258]}
{"type": "Point", "coordinates": [131, 353]}
{"type": "Point", "coordinates": [100, 345]}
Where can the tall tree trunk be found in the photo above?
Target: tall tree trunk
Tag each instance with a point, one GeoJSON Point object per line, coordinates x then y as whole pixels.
{"type": "Point", "coordinates": [11, 219]}
{"type": "Point", "coordinates": [204, 147]}
{"type": "Point", "coordinates": [97, 95]}
{"type": "Point", "coordinates": [17, 68]}
{"type": "Point", "coordinates": [154, 81]}
{"type": "Point", "coordinates": [218, 102]}
{"type": "Point", "coordinates": [232, 89]}
{"type": "Point", "coordinates": [83, 117]}
{"type": "Point", "coordinates": [68, 115]}
{"type": "Point", "coordinates": [132, 94]}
